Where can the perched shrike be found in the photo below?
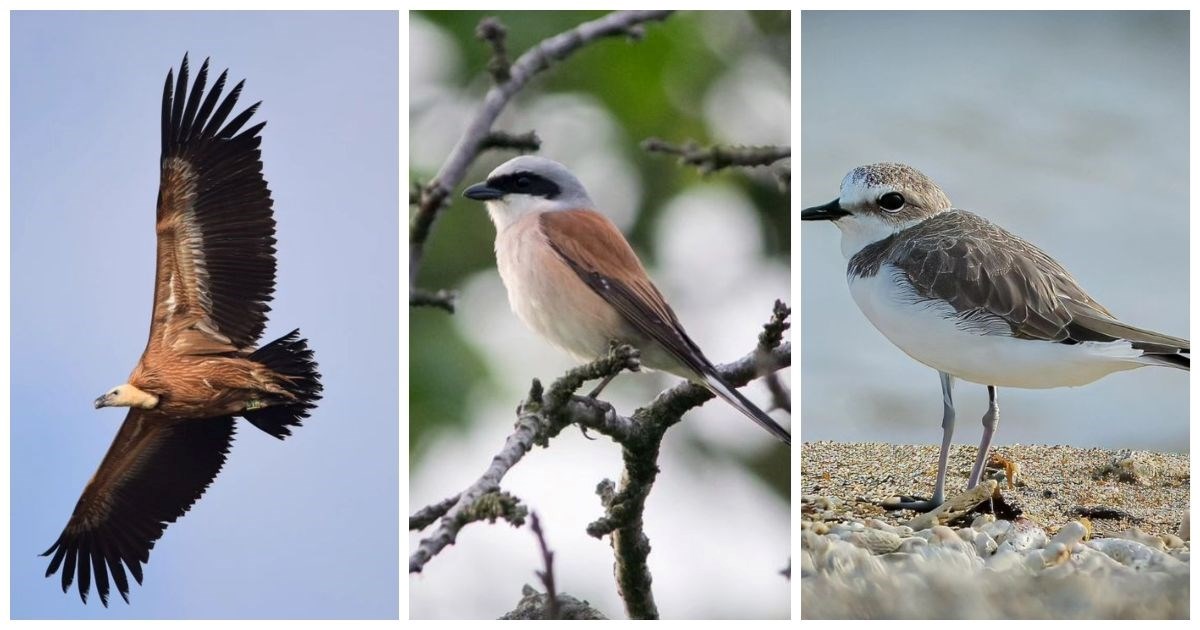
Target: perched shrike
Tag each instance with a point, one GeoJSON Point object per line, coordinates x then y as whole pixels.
{"type": "Point", "coordinates": [573, 278]}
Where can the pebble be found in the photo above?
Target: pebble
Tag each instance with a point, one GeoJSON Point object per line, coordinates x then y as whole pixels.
{"type": "Point", "coordinates": [1126, 556]}
{"type": "Point", "coordinates": [869, 568]}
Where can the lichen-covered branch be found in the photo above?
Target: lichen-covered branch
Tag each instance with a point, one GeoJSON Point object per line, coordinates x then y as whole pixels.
{"type": "Point", "coordinates": [533, 606]}
{"type": "Point", "coordinates": [770, 337]}
{"type": "Point", "coordinates": [430, 513]}
{"type": "Point", "coordinates": [533, 427]}
{"type": "Point", "coordinates": [443, 299]}
{"type": "Point", "coordinates": [459, 515]}
{"type": "Point", "coordinates": [718, 156]}
{"type": "Point", "coordinates": [434, 195]}
{"type": "Point", "coordinates": [527, 142]}
{"type": "Point", "coordinates": [546, 575]}
{"type": "Point", "coordinates": [493, 32]}
{"type": "Point", "coordinates": [545, 413]}
{"type": "Point", "coordinates": [624, 508]}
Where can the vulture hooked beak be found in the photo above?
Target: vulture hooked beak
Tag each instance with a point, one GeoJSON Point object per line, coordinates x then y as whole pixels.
{"type": "Point", "coordinates": [103, 400]}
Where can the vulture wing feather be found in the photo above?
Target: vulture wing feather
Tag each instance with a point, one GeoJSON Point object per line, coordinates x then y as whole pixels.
{"type": "Point", "coordinates": [180, 91]}
{"type": "Point", "coordinates": [193, 101]}
{"type": "Point", "coordinates": [216, 230]}
{"type": "Point", "coordinates": [152, 474]}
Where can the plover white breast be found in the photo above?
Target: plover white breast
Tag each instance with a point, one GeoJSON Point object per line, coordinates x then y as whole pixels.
{"type": "Point", "coordinates": [973, 301]}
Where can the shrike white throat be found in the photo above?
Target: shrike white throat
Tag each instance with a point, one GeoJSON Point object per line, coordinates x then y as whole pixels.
{"type": "Point", "coordinates": [573, 278]}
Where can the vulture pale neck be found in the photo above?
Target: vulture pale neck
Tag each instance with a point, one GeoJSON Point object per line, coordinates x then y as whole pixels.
{"type": "Point", "coordinates": [127, 396]}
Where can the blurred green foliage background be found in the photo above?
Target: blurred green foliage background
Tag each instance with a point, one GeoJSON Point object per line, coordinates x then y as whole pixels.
{"type": "Point", "coordinates": [718, 246]}
{"type": "Point", "coordinates": [651, 88]}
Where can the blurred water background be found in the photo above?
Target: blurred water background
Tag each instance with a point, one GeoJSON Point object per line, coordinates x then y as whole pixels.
{"type": "Point", "coordinates": [1070, 129]}
{"type": "Point", "coordinates": [718, 247]}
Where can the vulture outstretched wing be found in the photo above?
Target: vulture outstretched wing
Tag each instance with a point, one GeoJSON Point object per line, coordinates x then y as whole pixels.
{"type": "Point", "coordinates": [216, 271]}
{"type": "Point", "coordinates": [216, 233]}
{"type": "Point", "coordinates": [152, 474]}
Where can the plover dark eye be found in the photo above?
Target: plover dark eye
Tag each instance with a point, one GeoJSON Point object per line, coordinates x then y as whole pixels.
{"type": "Point", "coordinates": [892, 201]}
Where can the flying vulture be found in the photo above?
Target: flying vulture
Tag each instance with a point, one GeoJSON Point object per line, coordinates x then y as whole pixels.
{"type": "Point", "coordinates": [200, 369]}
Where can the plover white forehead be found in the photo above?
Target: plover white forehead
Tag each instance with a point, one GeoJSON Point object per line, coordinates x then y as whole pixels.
{"type": "Point", "coordinates": [973, 301]}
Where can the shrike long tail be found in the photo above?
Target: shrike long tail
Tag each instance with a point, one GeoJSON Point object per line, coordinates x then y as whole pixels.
{"type": "Point", "coordinates": [732, 396]}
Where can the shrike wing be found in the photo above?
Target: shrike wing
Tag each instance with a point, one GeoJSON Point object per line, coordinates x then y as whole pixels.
{"type": "Point", "coordinates": [595, 249]}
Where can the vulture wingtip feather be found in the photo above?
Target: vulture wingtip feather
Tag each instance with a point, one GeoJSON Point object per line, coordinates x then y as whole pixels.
{"type": "Point", "coordinates": [118, 574]}
{"type": "Point", "coordinates": [166, 111]}
{"type": "Point", "coordinates": [226, 106]}
{"type": "Point", "coordinates": [84, 566]}
{"type": "Point", "coordinates": [100, 570]}
{"type": "Point", "coordinates": [210, 102]}
{"type": "Point", "coordinates": [238, 121]}
{"type": "Point", "coordinates": [180, 94]}
{"type": "Point", "coordinates": [68, 570]}
{"type": "Point", "coordinates": [187, 124]}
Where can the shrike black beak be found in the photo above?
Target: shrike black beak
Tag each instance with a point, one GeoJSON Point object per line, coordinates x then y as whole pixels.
{"type": "Point", "coordinates": [102, 401]}
{"type": "Point", "coordinates": [831, 211]}
{"type": "Point", "coordinates": [482, 192]}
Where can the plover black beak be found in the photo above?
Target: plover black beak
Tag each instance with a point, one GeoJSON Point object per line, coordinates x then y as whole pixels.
{"type": "Point", "coordinates": [831, 211]}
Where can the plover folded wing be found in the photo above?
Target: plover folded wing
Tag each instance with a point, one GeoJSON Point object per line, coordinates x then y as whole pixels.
{"type": "Point", "coordinates": [973, 301]}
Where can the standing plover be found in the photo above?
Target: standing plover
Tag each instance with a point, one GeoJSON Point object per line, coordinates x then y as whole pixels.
{"type": "Point", "coordinates": [973, 301]}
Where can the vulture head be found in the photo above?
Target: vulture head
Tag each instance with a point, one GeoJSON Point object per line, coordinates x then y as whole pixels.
{"type": "Point", "coordinates": [127, 395]}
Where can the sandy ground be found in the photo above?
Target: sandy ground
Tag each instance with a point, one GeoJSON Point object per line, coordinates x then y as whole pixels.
{"type": "Point", "coordinates": [1081, 534]}
{"type": "Point", "coordinates": [1052, 483]}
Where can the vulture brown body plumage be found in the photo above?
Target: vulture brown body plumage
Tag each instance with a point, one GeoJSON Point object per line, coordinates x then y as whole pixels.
{"type": "Point", "coordinates": [200, 368]}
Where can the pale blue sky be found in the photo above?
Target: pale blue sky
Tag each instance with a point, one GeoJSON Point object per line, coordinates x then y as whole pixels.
{"type": "Point", "coordinates": [301, 528]}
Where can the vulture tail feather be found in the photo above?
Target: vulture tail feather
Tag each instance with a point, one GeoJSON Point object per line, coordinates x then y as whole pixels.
{"type": "Point", "coordinates": [290, 357]}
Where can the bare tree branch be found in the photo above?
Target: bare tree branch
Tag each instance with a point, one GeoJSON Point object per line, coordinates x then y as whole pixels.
{"type": "Point", "coordinates": [434, 194]}
{"type": "Point", "coordinates": [717, 157]}
{"type": "Point", "coordinates": [493, 32]}
{"type": "Point", "coordinates": [443, 299]}
{"type": "Point", "coordinates": [531, 429]}
{"type": "Point", "coordinates": [770, 337]}
{"type": "Point", "coordinates": [456, 517]}
{"type": "Point", "coordinates": [545, 413]}
{"type": "Point", "coordinates": [546, 575]}
{"type": "Point", "coordinates": [623, 509]}
{"type": "Point", "coordinates": [428, 514]}
{"type": "Point", "coordinates": [527, 142]}
{"type": "Point", "coordinates": [533, 606]}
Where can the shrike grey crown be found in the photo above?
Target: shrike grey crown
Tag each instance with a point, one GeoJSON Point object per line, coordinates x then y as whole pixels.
{"type": "Point", "coordinates": [543, 177]}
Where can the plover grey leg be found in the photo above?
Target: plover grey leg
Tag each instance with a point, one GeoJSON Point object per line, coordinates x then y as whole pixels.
{"type": "Point", "coordinates": [939, 487]}
{"type": "Point", "coordinates": [604, 383]}
{"type": "Point", "coordinates": [990, 419]}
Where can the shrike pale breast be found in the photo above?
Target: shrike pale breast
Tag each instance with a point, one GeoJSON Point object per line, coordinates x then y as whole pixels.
{"type": "Point", "coordinates": [573, 278]}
